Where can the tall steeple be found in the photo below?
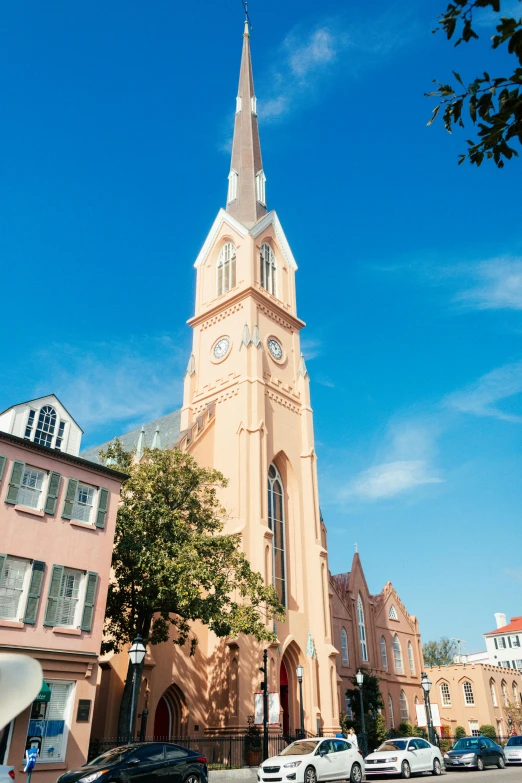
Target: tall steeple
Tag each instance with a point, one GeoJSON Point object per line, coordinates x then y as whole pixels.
{"type": "Point", "coordinates": [246, 199]}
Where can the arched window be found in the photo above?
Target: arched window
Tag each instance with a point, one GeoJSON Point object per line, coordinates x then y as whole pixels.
{"type": "Point", "coordinates": [403, 702]}
{"type": "Point", "coordinates": [410, 658]}
{"type": "Point", "coordinates": [226, 269]}
{"type": "Point", "coordinates": [276, 523]}
{"type": "Point", "coordinates": [469, 698]}
{"type": "Point", "coordinates": [344, 647]}
{"type": "Point", "coordinates": [384, 654]}
{"type": "Point", "coordinates": [504, 692]}
{"type": "Point", "coordinates": [515, 692]}
{"type": "Point", "coordinates": [493, 693]}
{"type": "Point", "coordinates": [390, 710]}
{"type": "Point", "coordinates": [397, 655]}
{"type": "Point", "coordinates": [445, 695]}
{"type": "Point", "coordinates": [393, 613]}
{"type": "Point", "coordinates": [45, 427]}
{"type": "Point", "coordinates": [268, 275]}
{"type": "Point", "coordinates": [362, 629]}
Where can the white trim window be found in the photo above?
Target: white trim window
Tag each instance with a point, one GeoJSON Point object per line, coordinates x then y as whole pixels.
{"type": "Point", "coordinates": [232, 186]}
{"type": "Point", "coordinates": [503, 688]}
{"type": "Point", "coordinates": [14, 583]}
{"type": "Point", "coordinates": [493, 691]}
{"type": "Point", "coordinates": [49, 722]}
{"type": "Point", "coordinates": [268, 276]}
{"type": "Point", "coordinates": [515, 693]}
{"type": "Point", "coordinates": [83, 503]}
{"type": "Point", "coordinates": [390, 710]}
{"type": "Point", "coordinates": [344, 647]}
{"type": "Point", "coordinates": [393, 613]}
{"type": "Point", "coordinates": [405, 712]}
{"type": "Point", "coordinates": [46, 426]}
{"type": "Point", "coordinates": [362, 628]}
{"type": "Point", "coordinates": [69, 603]}
{"type": "Point", "coordinates": [276, 523]}
{"type": "Point", "coordinates": [397, 655]}
{"type": "Point", "coordinates": [445, 695]}
{"type": "Point", "coordinates": [410, 658]}
{"type": "Point", "coordinates": [384, 654]}
{"type": "Point", "coordinates": [226, 268]}
{"type": "Point", "coordinates": [469, 698]}
{"type": "Point", "coordinates": [474, 728]}
{"type": "Point", "coordinates": [31, 487]}
{"type": "Point", "coordinates": [261, 187]}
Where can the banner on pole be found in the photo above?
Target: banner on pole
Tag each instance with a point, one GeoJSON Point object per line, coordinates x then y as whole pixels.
{"type": "Point", "coordinates": [273, 709]}
{"type": "Point", "coordinates": [421, 715]}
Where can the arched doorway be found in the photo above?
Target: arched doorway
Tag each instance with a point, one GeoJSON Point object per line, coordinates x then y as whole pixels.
{"type": "Point", "coordinates": [283, 697]}
{"type": "Point", "coordinates": [171, 716]}
{"type": "Point", "coordinates": [289, 693]}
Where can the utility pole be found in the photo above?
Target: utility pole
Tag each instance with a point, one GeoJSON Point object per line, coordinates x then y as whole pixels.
{"type": "Point", "coordinates": [264, 688]}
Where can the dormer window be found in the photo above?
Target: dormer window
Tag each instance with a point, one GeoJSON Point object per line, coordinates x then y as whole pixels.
{"type": "Point", "coordinates": [253, 103]}
{"type": "Point", "coordinates": [268, 276]}
{"type": "Point", "coordinates": [226, 269]}
{"type": "Point", "coordinates": [30, 424]}
{"type": "Point", "coordinates": [59, 437]}
{"type": "Point", "coordinates": [46, 426]}
{"type": "Point", "coordinates": [232, 186]}
{"type": "Point", "coordinates": [239, 101]}
{"type": "Point", "coordinates": [260, 187]}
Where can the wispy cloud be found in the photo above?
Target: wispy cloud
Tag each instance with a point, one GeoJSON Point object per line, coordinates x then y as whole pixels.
{"type": "Point", "coordinates": [309, 56]}
{"type": "Point", "coordinates": [390, 479]}
{"type": "Point", "coordinates": [311, 348]}
{"type": "Point", "coordinates": [482, 397]}
{"type": "Point", "coordinates": [485, 17]}
{"type": "Point", "coordinates": [497, 284]}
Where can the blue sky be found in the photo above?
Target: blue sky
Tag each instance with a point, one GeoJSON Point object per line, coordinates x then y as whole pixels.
{"type": "Point", "coordinates": [117, 121]}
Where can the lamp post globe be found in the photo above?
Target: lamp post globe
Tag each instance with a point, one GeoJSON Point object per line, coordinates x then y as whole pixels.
{"type": "Point", "coordinates": [136, 655]}
{"type": "Point", "coordinates": [300, 674]}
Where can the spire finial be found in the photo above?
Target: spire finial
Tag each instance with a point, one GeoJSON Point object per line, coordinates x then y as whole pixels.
{"type": "Point", "coordinates": [247, 19]}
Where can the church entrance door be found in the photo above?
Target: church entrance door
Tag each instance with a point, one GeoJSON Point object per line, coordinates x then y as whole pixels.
{"type": "Point", "coordinates": [283, 697]}
{"type": "Point", "coordinates": [162, 720]}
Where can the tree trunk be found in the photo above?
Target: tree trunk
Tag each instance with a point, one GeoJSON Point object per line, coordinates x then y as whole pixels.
{"type": "Point", "coordinates": [125, 705]}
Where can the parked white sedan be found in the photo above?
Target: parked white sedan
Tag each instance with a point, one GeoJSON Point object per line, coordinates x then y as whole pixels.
{"type": "Point", "coordinates": [313, 760]}
{"type": "Point", "coordinates": [404, 757]}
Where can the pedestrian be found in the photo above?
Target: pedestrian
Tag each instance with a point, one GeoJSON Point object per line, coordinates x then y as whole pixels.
{"type": "Point", "coordinates": [352, 737]}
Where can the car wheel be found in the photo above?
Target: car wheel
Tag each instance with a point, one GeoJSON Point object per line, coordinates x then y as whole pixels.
{"type": "Point", "coordinates": [501, 763]}
{"type": "Point", "coordinates": [480, 764]}
{"type": "Point", "coordinates": [192, 778]}
{"type": "Point", "coordinates": [310, 775]}
{"type": "Point", "coordinates": [436, 767]}
{"type": "Point", "coordinates": [405, 770]}
{"type": "Point", "coordinates": [356, 773]}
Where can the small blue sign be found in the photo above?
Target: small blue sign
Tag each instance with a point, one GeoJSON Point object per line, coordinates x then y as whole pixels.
{"type": "Point", "coordinates": [31, 755]}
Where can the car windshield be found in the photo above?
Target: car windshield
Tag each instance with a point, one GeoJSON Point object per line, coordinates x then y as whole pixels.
{"type": "Point", "coordinates": [466, 743]}
{"type": "Point", "coordinates": [393, 745]}
{"type": "Point", "coordinates": [300, 748]}
{"type": "Point", "coordinates": [112, 756]}
{"type": "Point", "coordinates": [514, 741]}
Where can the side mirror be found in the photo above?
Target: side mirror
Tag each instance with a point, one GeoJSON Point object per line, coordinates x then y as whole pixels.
{"type": "Point", "coordinates": [133, 762]}
{"type": "Point", "coordinates": [322, 751]}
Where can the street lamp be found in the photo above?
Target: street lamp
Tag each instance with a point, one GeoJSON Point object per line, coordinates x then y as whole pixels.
{"type": "Point", "coordinates": [136, 656]}
{"type": "Point", "coordinates": [360, 679]}
{"type": "Point", "coordinates": [426, 687]}
{"type": "Point", "coordinates": [300, 672]}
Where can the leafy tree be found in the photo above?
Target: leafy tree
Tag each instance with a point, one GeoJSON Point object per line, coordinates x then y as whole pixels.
{"type": "Point", "coordinates": [494, 103]}
{"type": "Point", "coordinates": [405, 729]}
{"type": "Point", "coordinates": [372, 703]}
{"type": "Point", "coordinates": [172, 563]}
{"type": "Point", "coordinates": [378, 731]}
{"type": "Point", "coordinates": [514, 711]}
{"type": "Point", "coordinates": [460, 732]}
{"type": "Point", "coordinates": [439, 653]}
{"type": "Point", "coordinates": [488, 731]}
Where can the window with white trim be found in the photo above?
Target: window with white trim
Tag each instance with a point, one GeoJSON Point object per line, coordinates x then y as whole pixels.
{"type": "Point", "coordinates": [59, 436]}
{"type": "Point", "coordinates": [83, 503]}
{"type": "Point", "coordinates": [403, 702]}
{"type": "Point", "coordinates": [261, 187]}
{"type": "Point", "coordinates": [515, 692]}
{"type": "Point", "coordinates": [384, 654]}
{"type": "Point", "coordinates": [502, 642]}
{"type": "Point", "coordinates": [232, 186]}
{"type": "Point", "coordinates": [49, 722]}
{"type": "Point", "coordinates": [31, 488]}
{"type": "Point", "coordinates": [69, 604]}
{"type": "Point", "coordinates": [445, 695]}
{"type": "Point", "coordinates": [504, 692]}
{"type": "Point", "coordinates": [390, 710]}
{"type": "Point", "coordinates": [46, 426]}
{"type": "Point", "coordinates": [397, 655]}
{"type": "Point", "coordinates": [268, 277]}
{"type": "Point", "coordinates": [392, 614]}
{"type": "Point", "coordinates": [493, 693]}
{"type": "Point", "coordinates": [226, 269]}
{"type": "Point", "coordinates": [348, 707]}
{"type": "Point", "coordinates": [14, 583]}
{"type": "Point", "coordinates": [344, 647]}
{"type": "Point", "coordinates": [30, 424]}
{"type": "Point", "coordinates": [276, 523]}
{"type": "Point", "coordinates": [469, 698]}
{"type": "Point", "coordinates": [362, 628]}
{"type": "Point", "coordinates": [474, 728]}
{"type": "Point", "coordinates": [515, 641]}
{"type": "Point", "coordinates": [410, 658]}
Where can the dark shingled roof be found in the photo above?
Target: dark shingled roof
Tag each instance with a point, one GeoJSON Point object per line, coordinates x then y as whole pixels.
{"type": "Point", "coordinates": [169, 431]}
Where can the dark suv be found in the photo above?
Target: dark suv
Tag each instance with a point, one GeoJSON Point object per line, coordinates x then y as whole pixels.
{"type": "Point", "coordinates": [148, 762]}
{"type": "Point", "coordinates": [476, 752]}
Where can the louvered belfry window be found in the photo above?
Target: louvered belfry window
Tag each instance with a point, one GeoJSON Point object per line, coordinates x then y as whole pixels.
{"type": "Point", "coordinates": [226, 269]}
{"type": "Point", "coordinates": [268, 276]}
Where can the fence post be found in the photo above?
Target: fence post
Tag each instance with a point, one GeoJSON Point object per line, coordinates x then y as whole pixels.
{"type": "Point", "coordinates": [230, 753]}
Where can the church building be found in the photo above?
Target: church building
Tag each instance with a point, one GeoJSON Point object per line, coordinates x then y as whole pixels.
{"type": "Point", "coordinates": [246, 412]}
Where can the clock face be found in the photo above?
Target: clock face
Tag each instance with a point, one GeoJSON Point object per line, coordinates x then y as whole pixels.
{"type": "Point", "coordinates": [275, 349]}
{"type": "Point", "coordinates": [221, 347]}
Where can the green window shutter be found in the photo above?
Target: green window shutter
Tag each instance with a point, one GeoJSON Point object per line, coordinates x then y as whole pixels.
{"type": "Point", "coordinates": [103, 504]}
{"type": "Point", "coordinates": [90, 596]}
{"type": "Point", "coordinates": [3, 459]}
{"type": "Point", "coordinates": [17, 474]}
{"type": "Point", "coordinates": [3, 558]}
{"type": "Point", "coordinates": [35, 588]}
{"type": "Point", "coordinates": [70, 495]}
{"type": "Point", "coordinates": [52, 493]}
{"type": "Point", "coordinates": [53, 595]}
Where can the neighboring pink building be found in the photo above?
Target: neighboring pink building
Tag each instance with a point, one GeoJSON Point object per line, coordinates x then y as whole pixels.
{"type": "Point", "coordinates": [57, 523]}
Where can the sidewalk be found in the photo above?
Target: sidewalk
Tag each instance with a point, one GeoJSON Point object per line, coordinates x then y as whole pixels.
{"type": "Point", "coordinates": [243, 775]}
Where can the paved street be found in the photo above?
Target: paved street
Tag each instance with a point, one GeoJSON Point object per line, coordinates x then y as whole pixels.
{"type": "Point", "coordinates": [489, 775]}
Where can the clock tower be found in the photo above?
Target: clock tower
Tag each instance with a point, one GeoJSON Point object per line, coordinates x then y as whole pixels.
{"type": "Point", "coordinates": [246, 412]}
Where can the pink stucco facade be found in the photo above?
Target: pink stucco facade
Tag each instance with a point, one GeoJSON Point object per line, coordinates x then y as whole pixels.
{"type": "Point", "coordinates": [54, 572]}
